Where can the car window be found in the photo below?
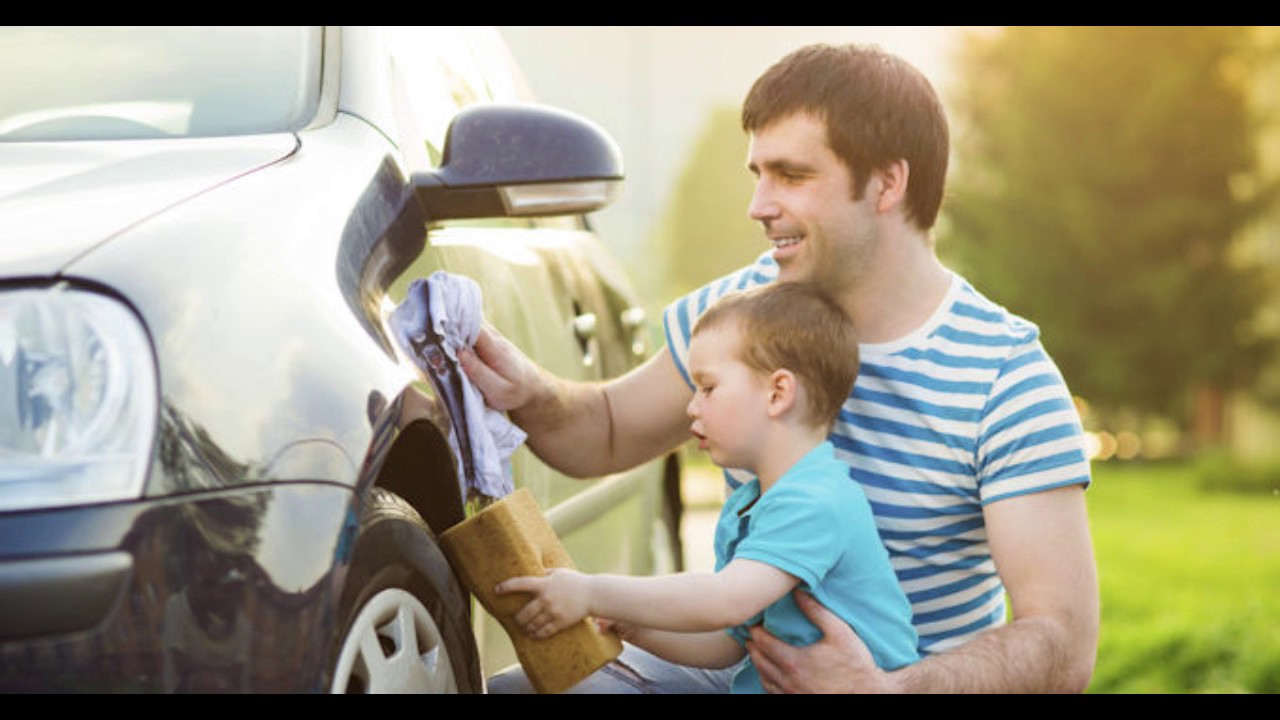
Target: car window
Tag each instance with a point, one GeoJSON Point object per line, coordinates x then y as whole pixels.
{"type": "Point", "coordinates": [104, 83]}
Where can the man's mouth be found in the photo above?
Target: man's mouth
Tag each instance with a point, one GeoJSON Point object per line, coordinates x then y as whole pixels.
{"type": "Point", "coordinates": [785, 242]}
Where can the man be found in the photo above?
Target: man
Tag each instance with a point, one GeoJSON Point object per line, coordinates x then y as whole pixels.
{"type": "Point", "coordinates": [960, 428]}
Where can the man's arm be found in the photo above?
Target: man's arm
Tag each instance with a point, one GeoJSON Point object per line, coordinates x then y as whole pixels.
{"type": "Point", "coordinates": [624, 422]}
{"type": "Point", "coordinates": [1043, 552]}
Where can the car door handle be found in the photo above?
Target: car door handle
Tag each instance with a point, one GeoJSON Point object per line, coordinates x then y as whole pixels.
{"type": "Point", "coordinates": [633, 319]}
{"type": "Point", "coordinates": [584, 328]}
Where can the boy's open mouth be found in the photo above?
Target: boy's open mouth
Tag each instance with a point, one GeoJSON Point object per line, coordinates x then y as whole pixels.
{"type": "Point", "coordinates": [702, 439]}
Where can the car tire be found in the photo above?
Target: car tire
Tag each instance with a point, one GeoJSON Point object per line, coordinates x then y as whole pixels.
{"type": "Point", "coordinates": [406, 619]}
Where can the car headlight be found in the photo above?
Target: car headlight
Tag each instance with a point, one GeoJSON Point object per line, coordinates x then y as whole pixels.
{"type": "Point", "coordinates": [77, 399]}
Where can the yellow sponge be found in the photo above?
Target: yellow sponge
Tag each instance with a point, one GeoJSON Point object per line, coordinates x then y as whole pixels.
{"type": "Point", "coordinates": [511, 537]}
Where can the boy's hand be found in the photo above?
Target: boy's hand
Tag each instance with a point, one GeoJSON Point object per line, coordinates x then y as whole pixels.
{"type": "Point", "coordinates": [624, 631]}
{"type": "Point", "coordinates": [560, 599]}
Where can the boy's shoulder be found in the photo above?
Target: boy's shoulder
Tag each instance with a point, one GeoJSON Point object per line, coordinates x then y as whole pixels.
{"type": "Point", "coordinates": [821, 479]}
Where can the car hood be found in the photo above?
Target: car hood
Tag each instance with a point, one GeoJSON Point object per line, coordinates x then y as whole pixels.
{"type": "Point", "coordinates": [60, 200]}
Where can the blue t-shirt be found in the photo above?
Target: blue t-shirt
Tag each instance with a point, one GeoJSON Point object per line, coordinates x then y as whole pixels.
{"type": "Point", "coordinates": [965, 411]}
{"type": "Point", "coordinates": [815, 523]}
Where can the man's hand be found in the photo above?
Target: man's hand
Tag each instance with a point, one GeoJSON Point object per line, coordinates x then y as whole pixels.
{"type": "Point", "coordinates": [506, 378]}
{"type": "Point", "coordinates": [560, 599]}
{"type": "Point", "coordinates": [584, 429]}
{"type": "Point", "coordinates": [838, 663]}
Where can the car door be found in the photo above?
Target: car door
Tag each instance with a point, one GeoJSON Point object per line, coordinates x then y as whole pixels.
{"type": "Point", "coordinates": [548, 286]}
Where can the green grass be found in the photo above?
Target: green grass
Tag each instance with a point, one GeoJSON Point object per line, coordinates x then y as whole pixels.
{"type": "Point", "coordinates": [1190, 584]}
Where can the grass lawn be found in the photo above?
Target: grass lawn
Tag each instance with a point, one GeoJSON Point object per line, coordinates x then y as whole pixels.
{"type": "Point", "coordinates": [1190, 584]}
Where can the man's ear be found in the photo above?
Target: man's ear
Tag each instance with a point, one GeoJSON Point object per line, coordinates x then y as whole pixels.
{"type": "Point", "coordinates": [893, 180]}
{"type": "Point", "coordinates": [783, 389]}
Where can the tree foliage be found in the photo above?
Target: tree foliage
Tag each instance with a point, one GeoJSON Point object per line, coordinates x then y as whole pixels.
{"type": "Point", "coordinates": [706, 232]}
{"type": "Point", "coordinates": [1102, 178]}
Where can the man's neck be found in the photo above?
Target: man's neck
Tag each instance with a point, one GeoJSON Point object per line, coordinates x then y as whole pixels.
{"type": "Point", "coordinates": [900, 289]}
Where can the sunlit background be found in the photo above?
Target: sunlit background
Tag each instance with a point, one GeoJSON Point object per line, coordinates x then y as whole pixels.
{"type": "Point", "coordinates": [1142, 161]}
{"type": "Point", "coordinates": [1114, 185]}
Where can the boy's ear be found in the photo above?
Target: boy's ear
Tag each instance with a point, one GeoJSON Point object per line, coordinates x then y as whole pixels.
{"type": "Point", "coordinates": [783, 388]}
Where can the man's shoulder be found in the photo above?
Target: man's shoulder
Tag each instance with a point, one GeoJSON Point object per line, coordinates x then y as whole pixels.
{"type": "Point", "coordinates": [761, 271]}
{"type": "Point", "coordinates": [679, 317]}
{"type": "Point", "coordinates": [973, 311]}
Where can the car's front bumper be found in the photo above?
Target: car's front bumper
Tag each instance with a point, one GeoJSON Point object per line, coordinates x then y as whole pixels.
{"type": "Point", "coordinates": [201, 593]}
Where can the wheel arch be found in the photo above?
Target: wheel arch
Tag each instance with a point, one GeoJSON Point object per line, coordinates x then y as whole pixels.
{"type": "Point", "coordinates": [417, 469]}
{"type": "Point", "coordinates": [420, 469]}
{"type": "Point", "coordinates": [394, 550]}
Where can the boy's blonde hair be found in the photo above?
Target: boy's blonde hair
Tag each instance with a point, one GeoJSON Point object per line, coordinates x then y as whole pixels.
{"type": "Point", "coordinates": [798, 327]}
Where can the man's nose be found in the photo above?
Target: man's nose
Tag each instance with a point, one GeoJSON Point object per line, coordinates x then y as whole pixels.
{"type": "Point", "coordinates": [763, 207]}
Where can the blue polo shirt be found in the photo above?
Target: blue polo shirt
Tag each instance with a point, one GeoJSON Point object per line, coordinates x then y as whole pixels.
{"type": "Point", "coordinates": [815, 523]}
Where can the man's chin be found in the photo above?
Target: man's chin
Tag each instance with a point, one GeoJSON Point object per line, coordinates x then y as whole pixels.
{"type": "Point", "coordinates": [790, 273]}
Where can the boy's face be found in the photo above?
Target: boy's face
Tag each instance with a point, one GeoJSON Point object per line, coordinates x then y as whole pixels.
{"type": "Point", "coordinates": [730, 399]}
{"type": "Point", "coordinates": [803, 200]}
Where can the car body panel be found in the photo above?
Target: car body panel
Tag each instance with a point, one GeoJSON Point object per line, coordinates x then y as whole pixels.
{"type": "Point", "coordinates": [271, 553]}
{"type": "Point", "coordinates": [287, 266]}
{"type": "Point", "coordinates": [58, 200]}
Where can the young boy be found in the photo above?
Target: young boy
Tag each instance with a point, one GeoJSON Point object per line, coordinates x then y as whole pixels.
{"type": "Point", "coordinates": [772, 367]}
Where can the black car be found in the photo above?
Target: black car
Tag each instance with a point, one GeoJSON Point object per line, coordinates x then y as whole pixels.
{"type": "Point", "coordinates": [218, 472]}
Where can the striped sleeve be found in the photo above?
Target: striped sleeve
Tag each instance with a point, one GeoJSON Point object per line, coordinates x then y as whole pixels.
{"type": "Point", "coordinates": [1030, 437]}
{"type": "Point", "coordinates": [679, 317]}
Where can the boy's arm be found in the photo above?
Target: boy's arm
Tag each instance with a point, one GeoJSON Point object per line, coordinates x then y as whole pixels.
{"type": "Point", "coordinates": [685, 602]}
{"type": "Point", "coordinates": [711, 649]}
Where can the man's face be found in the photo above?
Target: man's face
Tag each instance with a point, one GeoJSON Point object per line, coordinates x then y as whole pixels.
{"type": "Point", "coordinates": [804, 201]}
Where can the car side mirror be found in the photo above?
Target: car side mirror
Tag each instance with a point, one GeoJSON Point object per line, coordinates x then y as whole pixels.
{"type": "Point", "coordinates": [504, 160]}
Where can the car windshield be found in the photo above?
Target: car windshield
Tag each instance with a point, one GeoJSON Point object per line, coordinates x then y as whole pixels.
{"type": "Point", "coordinates": [106, 83]}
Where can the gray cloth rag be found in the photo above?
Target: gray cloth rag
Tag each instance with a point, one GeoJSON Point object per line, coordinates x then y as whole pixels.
{"type": "Point", "coordinates": [441, 315]}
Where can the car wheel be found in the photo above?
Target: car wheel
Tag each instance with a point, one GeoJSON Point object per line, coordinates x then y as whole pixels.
{"type": "Point", "coordinates": [407, 621]}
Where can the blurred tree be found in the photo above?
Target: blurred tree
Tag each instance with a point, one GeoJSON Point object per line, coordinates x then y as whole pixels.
{"type": "Point", "coordinates": [705, 232]}
{"type": "Point", "coordinates": [1102, 178]}
{"type": "Point", "coordinates": [1262, 244]}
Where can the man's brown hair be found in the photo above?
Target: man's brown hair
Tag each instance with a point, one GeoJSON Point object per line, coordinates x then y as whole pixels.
{"type": "Point", "coordinates": [877, 108]}
{"type": "Point", "coordinates": [798, 327]}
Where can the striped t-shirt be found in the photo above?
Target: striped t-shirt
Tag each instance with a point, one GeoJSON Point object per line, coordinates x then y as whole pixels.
{"type": "Point", "coordinates": [965, 411]}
